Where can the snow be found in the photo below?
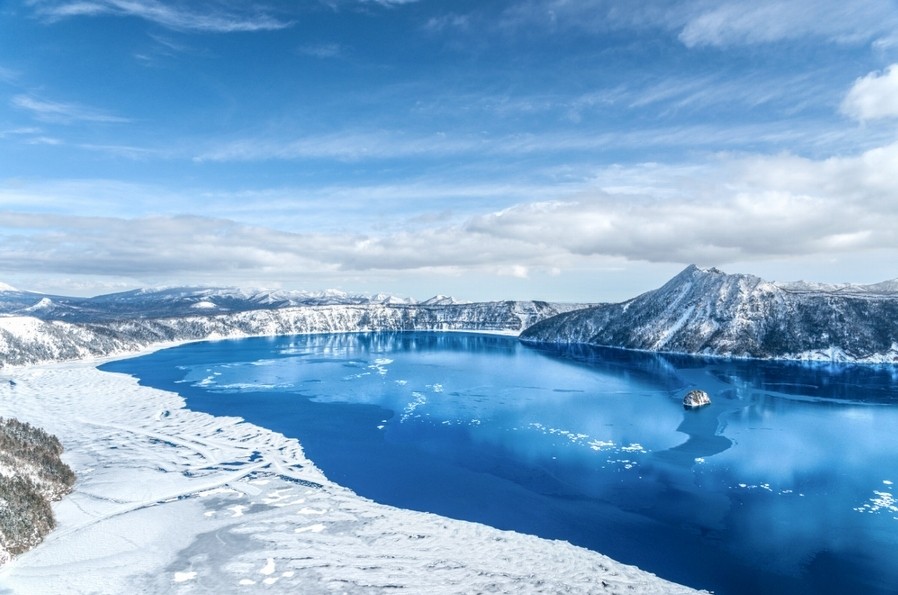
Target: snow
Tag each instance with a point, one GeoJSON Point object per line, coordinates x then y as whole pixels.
{"type": "Point", "coordinates": [5, 287]}
{"type": "Point", "coordinates": [204, 305]}
{"type": "Point", "coordinates": [42, 304]}
{"type": "Point", "coordinates": [173, 501]}
{"type": "Point", "coordinates": [22, 327]}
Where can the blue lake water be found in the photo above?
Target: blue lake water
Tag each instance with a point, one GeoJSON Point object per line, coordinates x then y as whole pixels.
{"type": "Point", "coordinates": [784, 484]}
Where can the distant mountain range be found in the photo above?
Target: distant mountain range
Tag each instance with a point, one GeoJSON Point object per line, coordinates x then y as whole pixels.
{"type": "Point", "coordinates": [36, 327]}
{"type": "Point", "coordinates": [706, 311]}
{"type": "Point", "coordinates": [700, 311]}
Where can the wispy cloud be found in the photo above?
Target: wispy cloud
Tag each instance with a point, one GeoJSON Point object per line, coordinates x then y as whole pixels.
{"type": "Point", "coordinates": [322, 50]}
{"type": "Point", "coordinates": [54, 111]}
{"type": "Point", "coordinates": [7, 75]}
{"type": "Point", "coordinates": [388, 2]}
{"type": "Point", "coordinates": [212, 17]}
{"type": "Point", "coordinates": [765, 21]}
{"type": "Point", "coordinates": [722, 23]}
{"type": "Point", "coordinates": [874, 96]}
{"type": "Point", "coordinates": [360, 145]}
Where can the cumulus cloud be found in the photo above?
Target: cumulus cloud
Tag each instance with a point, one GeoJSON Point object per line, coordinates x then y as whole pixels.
{"type": "Point", "coordinates": [213, 17]}
{"type": "Point", "coordinates": [873, 96]}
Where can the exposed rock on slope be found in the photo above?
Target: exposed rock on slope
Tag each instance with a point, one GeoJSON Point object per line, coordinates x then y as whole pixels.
{"type": "Point", "coordinates": [31, 476]}
{"type": "Point", "coordinates": [713, 313]}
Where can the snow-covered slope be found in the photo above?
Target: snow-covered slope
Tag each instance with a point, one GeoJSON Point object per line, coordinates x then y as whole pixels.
{"type": "Point", "coordinates": [711, 312]}
{"type": "Point", "coordinates": [29, 339]}
{"type": "Point", "coordinates": [175, 301]}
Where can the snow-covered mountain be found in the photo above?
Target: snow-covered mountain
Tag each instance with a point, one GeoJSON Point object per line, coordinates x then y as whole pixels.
{"type": "Point", "coordinates": [710, 312]}
{"type": "Point", "coordinates": [175, 301]}
{"type": "Point", "coordinates": [36, 328]}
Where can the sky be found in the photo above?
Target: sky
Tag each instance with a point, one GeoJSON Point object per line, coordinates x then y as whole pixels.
{"type": "Point", "coordinates": [572, 150]}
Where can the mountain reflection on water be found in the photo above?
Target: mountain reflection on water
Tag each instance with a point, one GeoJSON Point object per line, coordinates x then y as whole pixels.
{"type": "Point", "coordinates": [782, 485]}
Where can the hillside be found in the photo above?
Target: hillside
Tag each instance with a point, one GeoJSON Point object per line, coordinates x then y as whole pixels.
{"type": "Point", "coordinates": [35, 328]}
{"type": "Point", "coordinates": [713, 313]}
{"type": "Point", "coordinates": [31, 476]}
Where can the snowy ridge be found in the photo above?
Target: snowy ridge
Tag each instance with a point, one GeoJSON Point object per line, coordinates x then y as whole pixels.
{"type": "Point", "coordinates": [712, 313]}
{"type": "Point", "coordinates": [28, 339]}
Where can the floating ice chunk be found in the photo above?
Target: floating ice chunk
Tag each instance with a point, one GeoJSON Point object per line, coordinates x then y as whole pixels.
{"type": "Point", "coordinates": [268, 568]}
{"type": "Point", "coordinates": [699, 459]}
{"type": "Point", "coordinates": [316, 528]}
{"type": "Point", "coordinates": [880, 502]}
{"type": "Point", "coordinates": [887, 482]}
{"type": "Point", "coordinates": [598, 445]}
{"type": "Point", "coordinates": [247, 582]}
{"type": "Point", "coordinates": [380, 364]}
{"type": "Point", "coordinates": [417, 400]}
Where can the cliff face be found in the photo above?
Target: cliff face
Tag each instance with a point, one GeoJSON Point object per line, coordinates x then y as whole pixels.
{"type": "Point", "coordinates": [30, 339]}
{"type": "Point", "coordinates": [713, 313]}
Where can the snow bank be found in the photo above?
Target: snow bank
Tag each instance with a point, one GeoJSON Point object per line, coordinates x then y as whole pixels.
{"type": "Point", "coordinates": [173, 501]}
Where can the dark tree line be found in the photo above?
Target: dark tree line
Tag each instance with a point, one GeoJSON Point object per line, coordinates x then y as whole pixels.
{"type": "Point", "coordinates": [32, 476]}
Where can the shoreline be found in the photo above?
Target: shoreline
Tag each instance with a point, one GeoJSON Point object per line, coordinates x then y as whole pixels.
{"type": "Point", "coordinates": [172, 500]}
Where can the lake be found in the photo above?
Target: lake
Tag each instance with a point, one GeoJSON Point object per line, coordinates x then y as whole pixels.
{"type": "Point", "coordinates": [784, 484]}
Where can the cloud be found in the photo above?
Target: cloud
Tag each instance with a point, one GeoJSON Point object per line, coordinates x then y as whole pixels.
{"type": "Point", "coordinates": [322, 50]}
{"type": "Point", "coordinates": [766, 21]}
{"type": "Point", "coordinates": [367, 145]}
{"type": "Point", "coordinates": [7, 75]}
{"type": "Point", "coordinates": [874, 96]}
{"type": "Point", "coordinates": [722, 23]}
{"type": "Point", "coordinates": [731, 210]}
{"type": "Point", "coordinates": [389, 2]}
{"type": "Point", "coordinates": [206, 16]}
{"type": "Point", "coordinates": [737, 210]}
{"type": "Point", "coordinates": [53, 111]}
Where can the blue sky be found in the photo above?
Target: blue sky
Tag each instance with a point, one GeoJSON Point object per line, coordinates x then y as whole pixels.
{"type": "Point", "coordinates": [580, 150]}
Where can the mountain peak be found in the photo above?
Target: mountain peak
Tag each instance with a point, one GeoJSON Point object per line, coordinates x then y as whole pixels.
{"type": "Point", "coordinates": [5, 287]}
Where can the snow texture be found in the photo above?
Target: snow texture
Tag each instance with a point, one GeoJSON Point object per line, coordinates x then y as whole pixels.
{"type": "Point", "coordinates": [173, 501]}
{"type": "Point", "coordinates": [708, 312]}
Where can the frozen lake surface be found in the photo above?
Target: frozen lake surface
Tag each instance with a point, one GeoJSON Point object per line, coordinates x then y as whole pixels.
{"type": "Point", "coordinates": [784, 484]}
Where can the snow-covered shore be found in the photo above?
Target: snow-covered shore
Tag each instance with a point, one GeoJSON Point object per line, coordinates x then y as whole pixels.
{"type": "Point", "coordinates": [170, 500]}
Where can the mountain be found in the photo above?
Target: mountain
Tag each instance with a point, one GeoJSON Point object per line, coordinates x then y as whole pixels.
{"type": "Point", "coordinates": [58, 328]}
{"type": "Point", "coordinates": [706, 311]}
{"type": "Point", "coordinates": [173, 301]}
